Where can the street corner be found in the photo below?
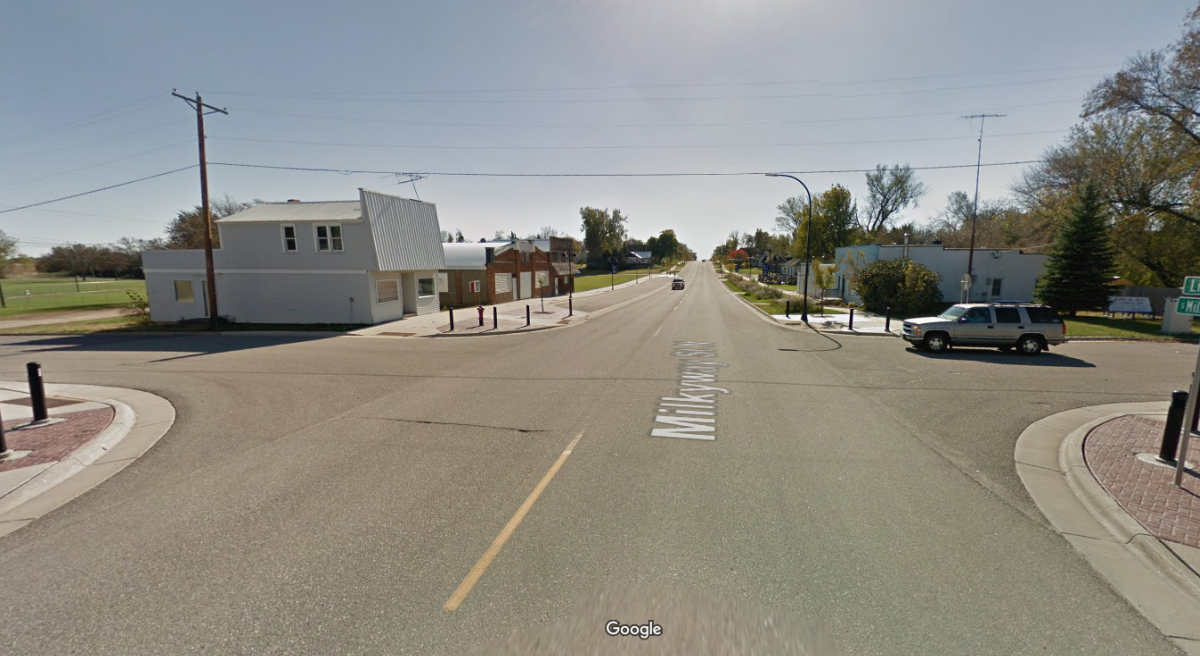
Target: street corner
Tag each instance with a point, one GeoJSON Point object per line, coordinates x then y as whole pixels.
{"type": "Point", "coordinates": [1094, 475]}
{"type": "Point", "coordinates": [87, 434]}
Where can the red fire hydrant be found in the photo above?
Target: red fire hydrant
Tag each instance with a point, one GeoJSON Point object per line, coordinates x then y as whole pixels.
{"type": "Point", "coordinates": [481, 316]}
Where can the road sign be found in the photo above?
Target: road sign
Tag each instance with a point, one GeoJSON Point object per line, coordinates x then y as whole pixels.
{"type": "Point", "coordinates": [614, 268]}
{"type": "Point", "coordinates": [1191, 285]}
{"type": "Point", "coordinates": [1188, 306]}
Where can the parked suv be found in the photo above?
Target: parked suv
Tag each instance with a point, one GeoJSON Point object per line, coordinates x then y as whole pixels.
{"type": "Point", "coordinates": [1028, 327]}
{"type": "Point", "coordinates": [677, 283]}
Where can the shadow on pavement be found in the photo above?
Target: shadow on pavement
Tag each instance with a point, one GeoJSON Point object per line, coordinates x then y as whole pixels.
{"type": "Point", "coordinates": [189, 345]}
{"type": "Point", "coordinates": [995, 356]}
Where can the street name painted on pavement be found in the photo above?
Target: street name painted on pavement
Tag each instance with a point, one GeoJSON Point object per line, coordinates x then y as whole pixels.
{"type": "Point", "coordinates": [692, 413]}
{"type": "Point", "coordinates": [1188, 306]}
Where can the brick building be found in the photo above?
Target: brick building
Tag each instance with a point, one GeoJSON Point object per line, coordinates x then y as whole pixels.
{"type": "Point", "coordinates": [520, 270]}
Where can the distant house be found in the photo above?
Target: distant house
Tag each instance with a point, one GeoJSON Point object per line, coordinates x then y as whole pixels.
{"type": "Point", "coordinates": [998, 273]}
{"type": "Point", "coordinates": [361, 261]}
{"type": "Point", "coordinates": [638, 258]}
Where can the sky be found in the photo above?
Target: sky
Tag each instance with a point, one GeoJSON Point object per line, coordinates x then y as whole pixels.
{"type": "Point", "coordinates": [584, 87]}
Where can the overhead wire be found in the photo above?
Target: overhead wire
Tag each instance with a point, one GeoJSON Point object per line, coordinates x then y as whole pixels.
{"type": "Point", "coordinates": [92, 166]}
{"type": "Point", "coordinates": [89, 120]}
{"type": "Point", "coordinates": [96, 191]}
{"type": "Point", "coordinates": [624, 146]}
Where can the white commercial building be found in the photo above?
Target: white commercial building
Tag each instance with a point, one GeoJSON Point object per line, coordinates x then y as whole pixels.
{"type": "Point", "coordinates": [358, 262]}
{"type": "Point", "coordinates": [998, 274]}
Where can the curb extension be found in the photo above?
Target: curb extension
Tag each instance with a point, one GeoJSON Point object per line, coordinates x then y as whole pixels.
{"type": "Point", "coordinates": [500, 332]}
{"type": "Point", "coordinates": [140, 419]}
{"type": "Point", "coordinates": [1049, 460]}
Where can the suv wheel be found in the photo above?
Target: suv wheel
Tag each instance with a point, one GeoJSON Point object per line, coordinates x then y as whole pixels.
{"type": "Point", "coordinates": [937, 342]}
{"type": "Point", "coordinates": [1029, 345]}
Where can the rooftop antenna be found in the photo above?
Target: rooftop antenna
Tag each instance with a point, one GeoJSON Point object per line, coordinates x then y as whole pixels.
{"type": "Point", "coordinates": [412, 178]}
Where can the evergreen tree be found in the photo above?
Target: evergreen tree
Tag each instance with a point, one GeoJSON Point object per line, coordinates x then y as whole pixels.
{"type": "Point", "coordinates": [1082, 258]}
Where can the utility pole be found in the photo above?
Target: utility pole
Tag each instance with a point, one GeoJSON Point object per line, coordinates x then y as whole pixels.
{"type": "Point", "coordinates": [210, 272]}
{"type": "Point", "coordinates": [975, 211]}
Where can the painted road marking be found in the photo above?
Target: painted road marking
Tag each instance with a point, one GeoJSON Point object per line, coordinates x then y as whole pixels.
{"type": "Point", "coordinates": [488, 556]}
{"type": "Point", "coordinates": [692, 414]}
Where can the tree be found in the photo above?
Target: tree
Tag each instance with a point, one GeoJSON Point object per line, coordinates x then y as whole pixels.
{"type": "Point", "coordinates": [889, 192]}
{"type": "Point", "coordinates": [447, 238]}
{"type": "Point", "coordinates": [666, 246]}
{"type": "Point", "coordinates": [902, 285]}
{"type": "Point", "coordinates": [186, 230]}
{"type": "Point", "coordinates": [458, 237]}
{"type": "Point", "coordinates": [1081, 259]}
{"type": "Point", "coordinates": [835, 216]}
{"type": "Point", "coordinates": [8, 250]}
{"type": "Point", "coordinates": [822, 278]}
{"type": "Point", "coordinates": [548, 231]}
{"type": "Point", "coordinates": [603, 234]}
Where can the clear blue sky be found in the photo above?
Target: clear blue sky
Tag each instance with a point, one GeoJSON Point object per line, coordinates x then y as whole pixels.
{"type": "Point", "coordinates": [648, 86]}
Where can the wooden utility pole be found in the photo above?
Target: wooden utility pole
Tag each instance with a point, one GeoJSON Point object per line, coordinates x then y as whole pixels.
{"type": "Point", "coordinates": [209, 270]}
{"type": "Point", "coordinates": [975, 211]}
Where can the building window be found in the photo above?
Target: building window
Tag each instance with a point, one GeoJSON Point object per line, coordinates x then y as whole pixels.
{"type": "Point", "coordinates": [996, 286]}
{"type": "Point", "coordinates": [289, 239]}
{"type": "Point", "coordinates": [183, 292]}
{"type": "Point", "coordinates": [387, 291]}
{"type": "Point", "coordinates": [329, 238]}
{"type": "Point", "coordinates": [425, 287]}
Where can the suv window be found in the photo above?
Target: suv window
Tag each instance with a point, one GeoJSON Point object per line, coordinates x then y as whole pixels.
{"type": "Point", "coordinates": [1042, 315]}
{"type": "Point", "coordinates": [979, 315]}
{"type": "Point", "coordinates": [1008, 315]}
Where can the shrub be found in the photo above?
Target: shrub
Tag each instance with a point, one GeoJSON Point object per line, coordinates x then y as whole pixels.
{"type": "Point", "coordinates": [138, 305]}
{"type": "Point", "coordinates": [904, 285]}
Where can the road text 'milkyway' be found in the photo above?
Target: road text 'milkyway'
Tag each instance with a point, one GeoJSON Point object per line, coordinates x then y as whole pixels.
{"type": "Point", "coordinates": [692, 413]}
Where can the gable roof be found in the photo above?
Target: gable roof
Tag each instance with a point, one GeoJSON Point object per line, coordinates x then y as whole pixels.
{"type": "Point", "coordinates": [333, 211]}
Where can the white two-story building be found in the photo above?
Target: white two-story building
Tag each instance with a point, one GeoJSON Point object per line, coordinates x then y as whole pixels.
{"type": "Point", "coordinates": [363, 261]}
{"type": "Point", "coordinates": [998, 273]}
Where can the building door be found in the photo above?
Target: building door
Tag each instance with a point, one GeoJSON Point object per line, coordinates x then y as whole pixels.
{"type": "Point", "coordinates": [526, 285]}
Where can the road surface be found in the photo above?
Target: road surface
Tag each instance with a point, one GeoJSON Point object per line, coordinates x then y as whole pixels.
{"type": "Point", "coordinates": [337, 495]}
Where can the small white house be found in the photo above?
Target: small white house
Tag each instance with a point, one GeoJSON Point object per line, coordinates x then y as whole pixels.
{"type": "Point", "coordinates": [997, 273]}
{"type": "Point", "coordinates": [364, 261]}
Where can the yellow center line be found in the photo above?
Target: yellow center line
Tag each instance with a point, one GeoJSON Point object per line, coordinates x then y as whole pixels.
{"type": "Point", "coordinates": [488, 556]}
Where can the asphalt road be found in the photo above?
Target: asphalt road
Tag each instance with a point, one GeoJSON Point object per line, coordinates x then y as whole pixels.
{"type": "Point", "coordinates": [331, 495]}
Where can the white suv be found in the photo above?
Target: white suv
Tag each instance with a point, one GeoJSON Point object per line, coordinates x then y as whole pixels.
{"type": "Point", "coordinates": [1028, 327]}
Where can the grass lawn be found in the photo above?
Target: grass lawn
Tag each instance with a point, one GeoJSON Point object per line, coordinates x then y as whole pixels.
{"type": "Point", "coordinates": [135, 325]}
{"type": "Point", "coordinates": [588, 281]}
{"type": "Point", "coordinates": [25, 296]}
{"type": "Point", "coordinates": [1095, 324]}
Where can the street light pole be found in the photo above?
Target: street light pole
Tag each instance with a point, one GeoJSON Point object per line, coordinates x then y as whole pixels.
{"type": "Point", "coordinates": [807, 240]}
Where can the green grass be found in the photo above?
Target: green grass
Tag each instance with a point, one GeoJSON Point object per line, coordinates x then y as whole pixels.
{"type": "Point", "coordinates": [587, 282]}
{"type": "Point", "coordinates": [53, 294]}
{"type": "Point", "coordinates": [1089, 324]}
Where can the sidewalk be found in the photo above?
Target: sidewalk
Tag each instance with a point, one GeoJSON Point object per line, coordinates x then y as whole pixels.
{"type": "Point", "coordinates": [1142, 535]}
{"type": "Point", "coordinates": [510, 317]}
{"type": "Point", "coordinates": [865, 323]}
{"type": "Point", "coordinates": [94, 433]}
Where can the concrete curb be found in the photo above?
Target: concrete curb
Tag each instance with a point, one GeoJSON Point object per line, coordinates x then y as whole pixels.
{"type": "Point", "coordinates": [801, 325]}
{"type": "Point", "coordinates": [1049, 459]}
{"type": "Point", "coordinates": [500, 332]}
{"type": "Point", "coordinates": [139, 421]}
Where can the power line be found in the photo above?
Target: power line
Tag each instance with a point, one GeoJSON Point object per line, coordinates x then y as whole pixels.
{"type": "Point", "coordinates": [654, 86]}
{"type": "Point", "coordinates": [113, 137]}
{"type": "Point", "coordinates": [88, 120]}
{"type": "Point", "coordinates": [92, 166]}
{"type": "Point", "coordinates": [574, 101]}
{"type": "Point", "coordinates": [598, 175]}
{"type": "Point", "coordinates": [625, 147]}
{"type": "Point", "coordinates": [96, 191]}
{"type": "Point", "coordinates": [641, 125]}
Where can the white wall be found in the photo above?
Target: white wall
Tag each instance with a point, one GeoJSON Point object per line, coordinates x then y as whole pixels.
{"type": "Point", "coordinates": [295, 297]}
{"type": "Point", "coordinates": [1018, 271]}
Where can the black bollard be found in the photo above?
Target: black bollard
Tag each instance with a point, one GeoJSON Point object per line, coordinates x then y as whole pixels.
{"type": "Point", "coordinates": [37, 391]}
{"type": "Point", "coordinates": [495, 324]}
{"type": "Point", "coordinates": [851, 318]}
{"type": "Point", "coordinates": [787, 308]}
{"type": "Point", "coordinates": [527, 315]}
{"type": "Point", "coordinates": [570, 306]}
{"type": "Point", "coordinates": [451, 319]}
{"type": "Point", "coordinates": [4, 451]}
{"type": "Point", "coordinates": [887, 320]}
{"type": "Point", "coordinates": [1170, 439]}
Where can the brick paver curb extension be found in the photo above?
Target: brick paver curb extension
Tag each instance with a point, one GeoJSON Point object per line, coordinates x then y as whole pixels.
{"type": "Point", "coordinates": [140, 419]}
{"type": "Point", "coordinates": [1154, 579]}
